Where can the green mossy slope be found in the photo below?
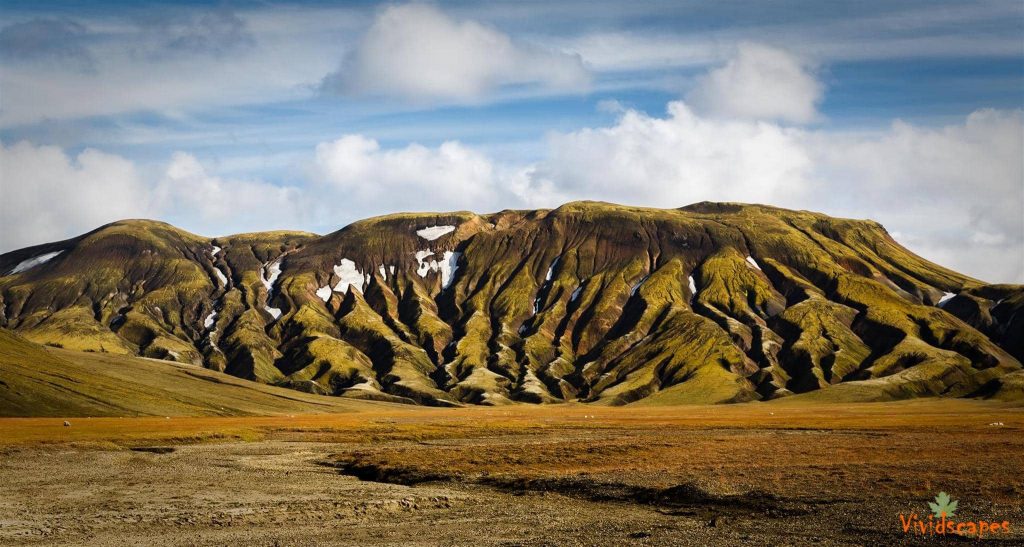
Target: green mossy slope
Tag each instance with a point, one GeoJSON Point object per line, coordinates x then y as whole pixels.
{"type": "Point", "coordinates": [710, 303]}
{"type": "Point", "coordinates": [44, 381]}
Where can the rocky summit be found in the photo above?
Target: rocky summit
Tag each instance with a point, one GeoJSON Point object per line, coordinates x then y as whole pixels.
{"type": "Point", "coordinates": [590, 302]}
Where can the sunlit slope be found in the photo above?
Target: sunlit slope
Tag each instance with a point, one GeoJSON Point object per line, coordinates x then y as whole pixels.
{"type": "Point", "coordinates": [37, 381]}
{"type": "Point", "coordinates": [592, 302]}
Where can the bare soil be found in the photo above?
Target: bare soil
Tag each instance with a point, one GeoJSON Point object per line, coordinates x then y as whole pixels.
{"type": "Point", "coordinates": [744, 475]}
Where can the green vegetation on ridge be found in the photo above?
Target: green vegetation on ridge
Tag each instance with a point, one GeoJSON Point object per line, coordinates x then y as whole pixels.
{"type": "Point", "coordinates": [711, 303]}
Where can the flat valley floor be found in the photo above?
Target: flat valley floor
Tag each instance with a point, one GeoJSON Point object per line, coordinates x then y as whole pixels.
{"type": "Point", "coordinates": [754, 474]}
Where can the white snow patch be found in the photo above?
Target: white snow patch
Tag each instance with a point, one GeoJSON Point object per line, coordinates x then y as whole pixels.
{"type": "Point", "coordinates": [547, 281]}
{"type": "Point", "coordinates": [220, 275]}
{"type": "Point", "coordinates": [210, 319]}
{"type": "Point", "coordinates": [383, 272]}
{"type": "Point", "coordinates": [637, 286]}
{"type": "Point", "coordinates": [348, 276]}
{"type": "Point", "coordinates": [693, 286]}
{"type": "Point", "coordinates": [946, 297]}
{"type": "Point", "coordinates": [33, 262]}
{"type": "Point", "coordinates": [449, 266]}
{"type": "Point", "coordinates": [576, 293]}
{"type": "Point", "coordinates": [215, 250]}
{"type": "Point", "coordinates": [430, 233]}
{"type": "Point", "coordinates": [551, 269]}
{"type": "Point", "coordinates": [391, 269]}
{"type": "Point", "coordinates": [424, 266]}
{"type": "Point", "coordinates": [753, 263]}
{"type": "Point", "coordinates": [324, 293]}
{"type": "Point", "coordinates": [269, 274]}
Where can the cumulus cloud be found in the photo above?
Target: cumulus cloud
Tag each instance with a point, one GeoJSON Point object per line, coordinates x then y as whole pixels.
{"type": "Point", "coordinates": [678, 159]}
{"type": "Point", "coordinates": [762, 83]}
{"type": "Point", "coordinates": [211, 204]}
{"type": "Point", "coordinates": [48, 195]}
{"type": "Point", "coordinates": [355, 171]}
{"type": "Point", "coordinates": [418, 52]}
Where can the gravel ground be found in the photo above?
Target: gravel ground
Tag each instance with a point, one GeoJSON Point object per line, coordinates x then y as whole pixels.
{"type": "Point", "coordinates": [282, 493]}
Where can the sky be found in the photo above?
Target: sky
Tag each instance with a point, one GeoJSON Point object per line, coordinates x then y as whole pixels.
{"type": "Point", "coordinates": [243, 116]}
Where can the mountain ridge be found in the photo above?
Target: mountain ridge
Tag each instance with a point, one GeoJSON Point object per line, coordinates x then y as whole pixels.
{"type": "Point", "coordinates": [590, 301]}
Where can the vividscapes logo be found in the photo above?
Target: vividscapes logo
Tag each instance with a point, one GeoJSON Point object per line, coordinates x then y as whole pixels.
{"type": "Point", "coordinates": [941, 521]}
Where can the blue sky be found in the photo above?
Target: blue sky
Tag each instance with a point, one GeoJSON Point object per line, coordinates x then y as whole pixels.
{"type": "Point", "coordinates": [260, 115]}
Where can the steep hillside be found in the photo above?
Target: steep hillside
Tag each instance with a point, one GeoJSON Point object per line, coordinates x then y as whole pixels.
{"type": "Point", "coordinates": [37, 381]}
{"type": "Point", "coordinates": [592, 302]}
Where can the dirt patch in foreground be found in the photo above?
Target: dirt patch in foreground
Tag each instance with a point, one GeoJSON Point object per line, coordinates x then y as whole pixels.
{"type": "Point", "coordinates": [508, 477]}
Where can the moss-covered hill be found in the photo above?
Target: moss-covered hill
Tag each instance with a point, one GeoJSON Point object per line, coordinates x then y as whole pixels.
{"type": "Point", "coordinates": [590, 301]}
{"type": "Point", "coordinates": [38, 381]}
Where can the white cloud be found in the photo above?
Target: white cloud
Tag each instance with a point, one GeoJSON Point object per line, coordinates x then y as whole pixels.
{"type": "Point", "coordinates": [361, 178]}
{"type": "Point", "coordinates": [762, 83]}
{"type": "Point", "coordinates": [956, 192]}
{"type": "Point", "coordinates": [418, 52]}
{"type": "Point", "coordinates": [46, 195]}
{"type": "Point", "coordinates": [216, 206]}
{"type": "Point", "coordinates": [671, 161]}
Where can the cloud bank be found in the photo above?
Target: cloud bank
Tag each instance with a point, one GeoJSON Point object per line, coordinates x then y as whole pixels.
{"type": "Point", "coordinates": [49, 195]}
{"type": "Point", "coordinates": [451, 176]}
{"type": "Point", "coordinates": [206, 201]}
{"type": "Point", "coordinates": [953, 194]}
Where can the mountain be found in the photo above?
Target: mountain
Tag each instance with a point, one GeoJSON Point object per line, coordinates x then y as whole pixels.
{"type": "Point", "coordinates": [710, 303]}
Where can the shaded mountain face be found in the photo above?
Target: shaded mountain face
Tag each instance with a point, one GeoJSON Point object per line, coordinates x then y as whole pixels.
{"type": "Point", "coordinates": [587, 302]}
